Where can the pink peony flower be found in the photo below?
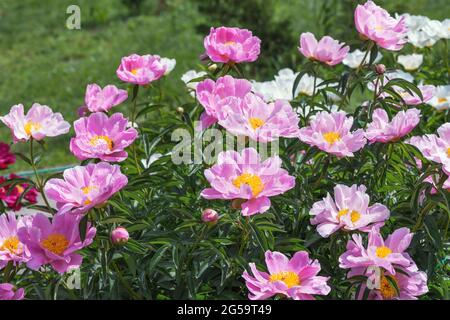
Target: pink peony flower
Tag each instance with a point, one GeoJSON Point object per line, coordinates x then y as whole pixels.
{"type": "Point", "coordinates": [375, 23]}
{"type": "Point", "coordinates": [295, 278]}
{"type": "Point", "coordinates": [410, 282]}
{"type": "Point", "coordinates": [119, 235]}
{"type": "Point", "coordinates": [213, 96]}
{"type": "Point", "coordinates": [435, 148]}
{"type": "Point", "coordinates": [141, 70]}
{"type": "Point", "coordinates": [349, 210]}
{"type": "Point", "coordinates": [6, 157]}
{"type": "Point", "coordinates": [12, 197]}
{"type": "Point", "coordinates": [54, 242]}
{"type": "Point", "coordinates": [102, 137]}
{"type": "Point", "coordinates": [85, 187]}
{"type": "Point", "coordinates": [381, 130]}
{"type": "Point", "coordinates": [38, 123]}
{"type": "Point", "coordinates": [210, 215]}
{"type": "Point", "coordinates": [254, 118]}
{"type": "Point", "coordinates": [10, 292]}
{"type": "Point", "coordinates": [330, 132]}
{"type": "Point", "coordinates": [244, 176]}
{"type": "Point", "coordinates": [231, 45]}
{"type": "Point", "coordinates": [413, 99]}
{"type": "Point", "coordinates": [11, 249]}
{"type": "Point", "coordinates": [98, 99]}
{"type": "Point", "coordinates": [387, 254]}
{"type": "Point", "coordinates": [327, 50]}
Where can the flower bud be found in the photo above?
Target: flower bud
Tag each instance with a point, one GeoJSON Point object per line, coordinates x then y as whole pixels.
{"type": "Point", "coordinates": [119, 235]}
{"type": "Point", "coordinates": [210, 215]}
{"type": "Point", "coordinates": [212, 67]}
{"type": "Point", "coordinates": [180, 110]}
{"type": "Point", "coordinates": [380, 68]}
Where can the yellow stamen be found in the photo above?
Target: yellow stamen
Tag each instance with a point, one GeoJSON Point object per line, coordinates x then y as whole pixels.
{"type": "Point", "coordinates": [355, 216]}
{"type": "Point", "coordinates": [256, 123]}
{"type": "Point", "coordinates": [331, 137]}
{"type": "Point", "coordinates": [289, 278]}
{"type": "Point", "coordinates": [379, 28]}
{"type": "Point", "coordinates": [230, 43]}
{"type": "Point", "coordinates": [31, 126]}
{"type": "Point", "coordinates": [342, 212]}
{"type": "Point", "coordinates": [448, 152]}
{"type": "Point", "coordinates": [252, 180]}
{"type": "Point", "coordinates": [383, 252]}
{"type": "Point", "coordinates": [387, 290]}
{"type": "Point", "coordinates": [20, 189]}
{"type": "Point", "coordinates": [442, 100]}
{"type": "Point", "coordinates": [56, 243]}
{"type": "Point", "coordinates": [95, 141]}
{"type": "Point", "coordinates": [10, 244]}
{"type": "Point", "coordinates": [134, 71]}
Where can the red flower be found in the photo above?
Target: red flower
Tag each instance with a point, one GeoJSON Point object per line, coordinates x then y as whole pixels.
{"type": "Point", "coordinates": [11, 196]}
{"type": "Point", "coordinates": [6, 157]}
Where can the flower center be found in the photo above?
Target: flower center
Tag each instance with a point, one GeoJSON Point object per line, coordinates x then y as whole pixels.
{"type": "Point", "coordinates": [99, 140]}
{"type": "Point", "coordinates": [20, 189]}
{"type": "Point", "coordinates": [56, 243]}
{"type": "Point", "coordinates": [383, 252]}
{"type": "Point", "coordinates": [86, 191]}
{"type": "Point", "coordinates": [134, 71]}
{"type": "Point", "coordinates": [331, 137]}
{"type": "Point", "coordinates": [342, 212]}
{"type": "Point", "coordinates": [387, 290]}
{"type": "Point", "coordinates": [11, 244]}
{"type": "Point", "coordinates": [289, 278]}
{"type": "Point", "coordinates": [252, 180]}
{"type": "Point", "coordinates": [379, 28]}
{"type": "Point", "coordinates": [230, 43]}
{"type": "Point", "coordinates": [355, 216]}
{"type": "Point", "coordinates": [31, 126]}
{"type": "Point", "coordinates": [448, 152]}
{"type": "Point", "coordinates": [442, 100]}
{"type": "Point", "coordinates": [256, 123]}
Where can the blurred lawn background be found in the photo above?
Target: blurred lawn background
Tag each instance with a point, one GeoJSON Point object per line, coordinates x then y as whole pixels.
{"type": "Point", "coordinates": [43, 61]}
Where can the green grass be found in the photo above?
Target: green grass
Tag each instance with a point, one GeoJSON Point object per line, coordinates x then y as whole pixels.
{"type": "Point", "coordinates": [42, 61]}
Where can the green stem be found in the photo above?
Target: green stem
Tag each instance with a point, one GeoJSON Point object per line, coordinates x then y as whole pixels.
{"type": "Point", "coordinates": [39, 182]}
{"type": "Point", "coordinates": [362, 63]}
{"type": "Point", "coordinates": [133, 121]}
{"type": "Point", "coordinates": [125, 283]}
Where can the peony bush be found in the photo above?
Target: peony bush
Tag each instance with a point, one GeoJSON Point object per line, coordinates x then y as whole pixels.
{"type": "Point", "coordinates": [351, 202]}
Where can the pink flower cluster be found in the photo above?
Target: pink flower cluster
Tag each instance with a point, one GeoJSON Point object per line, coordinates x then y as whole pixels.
{"type": "Point", "coordinates": [390, 270]}
{"type": "Point", "coordinates": [37, 241]}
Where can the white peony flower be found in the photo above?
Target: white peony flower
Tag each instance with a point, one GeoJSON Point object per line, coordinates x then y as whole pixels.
{"type": "Point", "coordinates": [422, 31]}
{"type": "Point", "coordinates": [169, 63]}
{"type": "Point", "coordinates": [411, 61]}
{"type": "Point", "coordinates": [190, 75]}
{"type": "Point", "coordinates": [441, 99]}
{"type": "Point", "coordinates": [354, 58]}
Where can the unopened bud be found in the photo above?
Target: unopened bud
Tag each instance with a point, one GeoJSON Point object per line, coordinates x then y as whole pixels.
{"type": "Point", "coordinates": [210, 215]}
{"type": "Point", "coordinates": [119, 235]}
{"type": "Point", "coordinates": [380, 68]}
